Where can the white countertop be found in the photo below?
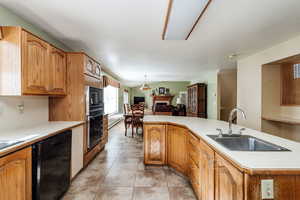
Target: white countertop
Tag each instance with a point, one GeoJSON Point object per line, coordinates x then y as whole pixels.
{"type": "Point", "coordinates": [249, 160]}
{"type": "Point", "coordinates": [30, 135]}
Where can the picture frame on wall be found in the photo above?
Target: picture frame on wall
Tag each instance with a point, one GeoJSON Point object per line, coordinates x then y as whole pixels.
{"type": "Point", "coordinates": [161, 90]}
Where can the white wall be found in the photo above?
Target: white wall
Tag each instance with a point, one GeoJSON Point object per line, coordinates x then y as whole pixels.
{"type": "Point", "coordinates": [36, 108]}
{"type": "Point", "coordinates": [35, 112]}
{"type": "Point", "coordinates": [249, 93]}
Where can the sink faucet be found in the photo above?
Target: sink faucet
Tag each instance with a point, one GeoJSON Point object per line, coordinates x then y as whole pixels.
{"type": "Point", "coordinates": [231, 118]}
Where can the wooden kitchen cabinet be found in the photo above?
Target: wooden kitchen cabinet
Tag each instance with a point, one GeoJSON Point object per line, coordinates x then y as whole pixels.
{"type": "Point", "coordinates": [105, 129]}
{"type": "Point", "coordinates": [15, 176]}
{"type": "Point", "coordinates": [177, 148]}
{"type": "Point", "coordinates": [35, 65]}
{"type": "Point", "coordinates": [206, 165]}
{"type": "Point", "coordinates": [29, 65]}
{"type": "Point", "coordinates": [228, 181]}
{"type": "Point", "coordinates": [155, 144]}
{"type": "Point", "coordinates": [57, 72]}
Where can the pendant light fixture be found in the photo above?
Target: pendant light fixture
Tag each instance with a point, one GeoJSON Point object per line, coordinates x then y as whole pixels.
{"type": "Point", "coordinates": [145, 86]}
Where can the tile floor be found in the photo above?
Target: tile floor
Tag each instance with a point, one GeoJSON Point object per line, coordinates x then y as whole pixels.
{"type": "Point", "coordinates": [118, 173]}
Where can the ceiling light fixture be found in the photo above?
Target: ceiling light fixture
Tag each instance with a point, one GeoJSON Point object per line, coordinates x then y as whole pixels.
{"type": "Point", "coordinates": [145, 86]}
{"type": "Point", "coordinates": [182, 17]}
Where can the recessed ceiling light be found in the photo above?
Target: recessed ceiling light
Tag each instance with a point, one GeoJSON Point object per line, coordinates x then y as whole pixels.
{"type": "Point", "coordinates": [182, 17]}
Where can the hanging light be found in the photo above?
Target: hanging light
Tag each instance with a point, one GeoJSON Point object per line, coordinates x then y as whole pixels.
{"type": "Point", "coordinates": [145, 86]}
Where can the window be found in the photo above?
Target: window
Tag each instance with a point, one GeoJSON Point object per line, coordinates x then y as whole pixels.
{"type": "Point", "coordinates": [296, 71]}
{"type": "Point", "coordinates": [110, 100]}
{"type": "Point", "coordinates": [126, 97]}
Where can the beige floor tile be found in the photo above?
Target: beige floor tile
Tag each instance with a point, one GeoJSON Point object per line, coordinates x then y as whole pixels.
{"type": "Point", "coordinates": [120, 179]}
{"type": "Point", "coordinates": [181, 193]}
{"type": "Point", "coordinates": [151, 193]}
{"type": "Point", "coordinates": [176, 180]}
{"type": "Point", "coordinates": [115, 193]}
{"type": "Point", "coordinates": [81, 194]}
{"type": "Point", "coordinates": [150, 178]}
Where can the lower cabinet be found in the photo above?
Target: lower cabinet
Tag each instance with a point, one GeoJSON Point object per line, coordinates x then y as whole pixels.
{"type": "Point", "coordinates": [177, 148]}
{"type": "Point", "coordinates": [155, 144]}
{"type": "Point", "coordinates": [228, 181]}
{"type": "Point", "coordinates": [207, 167]}
{"type": "Point", "coordinates": [15, 175]}
{"type": "Point", "coordinates": [201, 168]}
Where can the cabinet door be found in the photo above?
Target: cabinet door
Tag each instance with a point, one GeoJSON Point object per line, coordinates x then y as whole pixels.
{"type": "Point", "coordinates": [206, 171]}
{"type": "Point", "coordinates": [15, 176]}
{"type": "Point", "coordinates": [35, 65]}
{"type": "Point", "coordinates": [58, 72]}
{"type": "Point", "coordinates": [228, 181]}
{"type": "Point", "coordinates": [155, 144]}
{"type": "Point", "coordinates": [177, 148]}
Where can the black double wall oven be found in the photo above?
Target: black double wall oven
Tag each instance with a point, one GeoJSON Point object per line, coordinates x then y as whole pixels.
{"type": "Point", "coordinates": [94, 115]}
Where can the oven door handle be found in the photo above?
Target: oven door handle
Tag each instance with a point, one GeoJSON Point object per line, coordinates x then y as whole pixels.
{"type": "Point", "coordinates": [88, 132]}
{"type": "Point", "coordinates": [94, 116]}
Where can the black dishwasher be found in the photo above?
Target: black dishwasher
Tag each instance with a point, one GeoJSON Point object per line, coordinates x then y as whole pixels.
{"type": "Point", "coordinates": [51, 166]}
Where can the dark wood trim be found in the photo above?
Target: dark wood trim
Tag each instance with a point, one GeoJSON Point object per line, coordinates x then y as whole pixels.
{"type": "Point", "coordinates": [198, 19]}
{"type": "Point", "coordinates": [167, 19]}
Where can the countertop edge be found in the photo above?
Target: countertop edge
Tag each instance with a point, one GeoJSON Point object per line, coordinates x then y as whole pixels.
{"type": "Point", "coordinates": [25, 144]}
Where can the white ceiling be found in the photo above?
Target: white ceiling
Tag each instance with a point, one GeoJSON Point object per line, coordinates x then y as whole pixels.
{"type": "Point", "coordinates": [125, 35]}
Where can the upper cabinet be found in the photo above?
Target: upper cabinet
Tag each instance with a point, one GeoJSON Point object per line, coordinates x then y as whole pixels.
{"type": "Point", "coordinates": [29, 65]}
{"type": "Point", "coordinates": [35, 67]}
{"type": "Point", "coordinates": [58, 71]}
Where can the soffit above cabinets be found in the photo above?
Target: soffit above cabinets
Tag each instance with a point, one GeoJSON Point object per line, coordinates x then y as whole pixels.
{"type": "Point", "coordinates": [182, 17]}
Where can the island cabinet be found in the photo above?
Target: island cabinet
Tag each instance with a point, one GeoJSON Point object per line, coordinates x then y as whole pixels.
{"type": "Point", "coordinates": [213, 175]}
{"type": "Point", "coordinates": [177, 148]}
{"type": "Point", "coordinates": [228, 181]}
{"type": "Point", "coordinates": [29, 65]}
{"type": "Point", "coordinates": [155, 144]}
{"type": "Point", "coordinates": [201, 168]}
{"type": "Point", "coordinates": [15, 176]}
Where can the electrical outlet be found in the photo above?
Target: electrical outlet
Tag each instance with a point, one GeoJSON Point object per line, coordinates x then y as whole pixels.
{"type": "Point", "coordinates": [267, 189]}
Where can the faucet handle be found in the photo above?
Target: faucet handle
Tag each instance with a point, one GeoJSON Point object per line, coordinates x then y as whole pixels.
{"type": "Point", "coordinates": [241, 131]}
{"type": "Point", "coordinates": [220, 132]}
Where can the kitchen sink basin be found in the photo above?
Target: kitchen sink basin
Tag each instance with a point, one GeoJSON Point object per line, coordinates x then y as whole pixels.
{"type": "Point", "coordinates": [8, 143]}
{"type": "Point", "coordinates": [246, 143]}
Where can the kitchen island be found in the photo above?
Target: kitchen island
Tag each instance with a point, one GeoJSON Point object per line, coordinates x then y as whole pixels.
{"type": "Point", "coordinates": [216, 172]}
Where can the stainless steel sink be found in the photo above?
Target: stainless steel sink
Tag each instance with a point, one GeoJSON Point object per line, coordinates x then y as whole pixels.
{"type": "Point", "coordinates": [246, 143]}
{"type": "Point", "coordinates": [8, 143]}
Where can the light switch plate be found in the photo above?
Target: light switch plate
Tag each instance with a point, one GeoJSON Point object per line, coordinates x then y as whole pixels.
{"type": "Point", "coordinates": [267, 189]}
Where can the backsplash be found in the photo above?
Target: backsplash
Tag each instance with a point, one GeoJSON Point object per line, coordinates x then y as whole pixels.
{"type": "Point", "coordinates": [19, 112]}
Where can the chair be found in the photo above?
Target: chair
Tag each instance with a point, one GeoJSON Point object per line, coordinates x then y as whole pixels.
{"type": "Point", "coordinates": [137, 111]}
{"type": "Point", "coordinates": [127, 118]}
